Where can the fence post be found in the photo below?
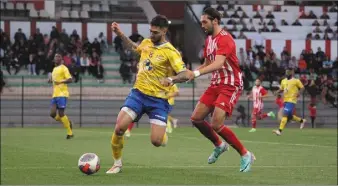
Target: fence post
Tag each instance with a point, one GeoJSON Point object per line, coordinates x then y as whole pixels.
{"type": "Point", "coordinates": [80, 102]}
{"type": "Point", "coordinates": [22, 100]}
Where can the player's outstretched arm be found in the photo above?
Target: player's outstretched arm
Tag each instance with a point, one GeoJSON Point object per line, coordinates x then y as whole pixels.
{"type": "Point", "coordinates": [182, 76]}
{"type": "Point", "coordinates": [216, 65]}
{"type": "Point", "coordinates": [128, 42]}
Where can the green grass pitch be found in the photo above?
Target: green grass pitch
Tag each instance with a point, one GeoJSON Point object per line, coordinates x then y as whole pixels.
{"type": "Point", "coordinates": [44, 156]}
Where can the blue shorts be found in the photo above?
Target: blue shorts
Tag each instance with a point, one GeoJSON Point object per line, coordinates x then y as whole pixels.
{"type": "Point", "coordinates": [60, 102]}
{"type": "Point", "coordinates": [288, 109]}
{"type": "Point", "coordinates": [170, 108]}
{"type": "Point", "coordinates": [157, 109]}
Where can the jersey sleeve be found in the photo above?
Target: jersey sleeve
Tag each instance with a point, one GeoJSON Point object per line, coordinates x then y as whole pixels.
{"type": "Point", "coordinates": [175, 60]}
{"type": "Point", "coordinates": [141, 46]}
{"type": "Point", "coordinates": [263, 91]}
{"type": "Point", "coordinates": [66, 73]}
{"type": "Point", "coordinates": [300, 84]}
{"type": "Point", "coordinates": [282, 85]}
{"type": "Point", "coordinates": [174, 88]}
{"type": "Point", "coordinates": [224, 46]}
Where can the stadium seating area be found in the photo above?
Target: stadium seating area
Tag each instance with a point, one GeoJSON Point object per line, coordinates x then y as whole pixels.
{"type": "Point", "coordinates": [287, 19]}
{"type": "Point", "coordinates": [76, 10]}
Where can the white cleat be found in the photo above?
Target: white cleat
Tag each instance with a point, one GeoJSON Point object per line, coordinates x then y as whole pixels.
{"type": "Point", "coordinates": [115, 169]}
{"type": "Point", "coordinates": [302, 124]}
{"type": "Point", "coordinates": [277, 132]}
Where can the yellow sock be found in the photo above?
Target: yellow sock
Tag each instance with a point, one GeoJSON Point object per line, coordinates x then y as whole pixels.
{"type": "Point", "coordinates": [57, 117]}
{"type": "Point", "coordinates": [117, 146]}
{"type": "Point", "coordinates": [295, 118]}
{"type": "Point", "coordinates": [169, 124]}
{"type": "Point", "coordinates": [66, 124]}
{"type": "Point", "coordinates": [170, 118]}
{"type": "Point", "coordinates": [165, 139]}
{"type": "Point", "coordinates": [283, 123]}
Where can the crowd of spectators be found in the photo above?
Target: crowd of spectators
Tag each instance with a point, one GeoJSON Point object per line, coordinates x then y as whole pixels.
{"type": "Point", "coordinates": [236, 19]}
{"type": "Point", "coordinates": [36, 53]}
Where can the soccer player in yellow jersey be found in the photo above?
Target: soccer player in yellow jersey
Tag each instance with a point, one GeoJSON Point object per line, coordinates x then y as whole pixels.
{"type": "Point", "coordinates": [158, 60]}
{"type": "Point", "coordinates": [291, 88]}
{"type": "Point", "coordinates": [60, 78]}
{"type": "Point", "coordinates": [173, 92]}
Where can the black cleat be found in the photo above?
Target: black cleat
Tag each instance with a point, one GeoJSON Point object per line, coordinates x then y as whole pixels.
{"type": "Point", "coordinates": [69, 136]}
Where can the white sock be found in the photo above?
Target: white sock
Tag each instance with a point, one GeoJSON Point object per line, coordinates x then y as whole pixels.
{"type": "Point", "coordinates": [118, 162]}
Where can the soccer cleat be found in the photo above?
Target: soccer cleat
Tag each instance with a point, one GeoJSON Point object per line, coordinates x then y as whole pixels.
{"type": "Point", "coordinates": [169, 130]}
{"type": "Point", "coordinates": [127, 133]}
{"type": "Point", "coordinates": [69, 136]}
{"type": "Point", "coordinates": [246, 162]}
{"type": "Point", "coordinates": [272, 114]}
{"type": "Point", "coordinates": [277, 132]}
{"type": "Point", "coordinates": [302, 124]}
{"type": "Point", "coordinates": [175, 123]}
{"type": "Point", "coordinates": [252, 130]}
{"type": "Point", "coordinates": [115, 169]}
{"type": "Point", "coordinates": [217, 152]}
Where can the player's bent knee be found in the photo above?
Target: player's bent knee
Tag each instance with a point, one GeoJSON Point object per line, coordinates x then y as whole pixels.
{"type": "Point", "coordinates": [156, 142]}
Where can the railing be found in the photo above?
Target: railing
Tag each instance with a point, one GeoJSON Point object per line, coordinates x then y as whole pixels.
{"type": "Point", "coordinates": [29, 105]}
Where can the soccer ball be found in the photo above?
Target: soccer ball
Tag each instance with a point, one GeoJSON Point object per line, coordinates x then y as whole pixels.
{"type": "Point", "coordinates": [89, 163]}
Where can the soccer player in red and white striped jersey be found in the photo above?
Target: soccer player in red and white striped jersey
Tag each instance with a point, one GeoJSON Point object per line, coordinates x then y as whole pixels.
{"type": "Point", "coordinates": [221, 96]}
{"type": "Point", "coordinates": [257, 94]}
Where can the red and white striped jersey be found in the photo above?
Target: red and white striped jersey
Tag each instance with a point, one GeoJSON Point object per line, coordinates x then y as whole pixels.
{"type": "Point", "coordinates": [224, 44]}
{"type": "Point", "coordinates": [257, 93]}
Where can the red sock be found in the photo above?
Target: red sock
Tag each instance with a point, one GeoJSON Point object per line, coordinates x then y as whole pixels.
{"type": "Point", "coordinates": [254, 122]}
{"type": "Point", "coordinates": [206, 129]}
{"type": "Point", "coordinates": [131, 125]}
{"type": "Point", "coordinates": [232, 139]}
{"type": "Point", "coordinates": [264, 115]}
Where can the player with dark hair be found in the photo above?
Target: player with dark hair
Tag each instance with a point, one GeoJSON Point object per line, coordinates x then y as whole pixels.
{"type": "Point", "coordinates": [158, 60]}
{"type": "Point", "coordinates": [221, 96]}
{"type": "Point", "coordinates": [257, 94]}
{"type": "Point", "coordinates": [291, 88]}
{"type": "Point", "coordinates": [60, 78]}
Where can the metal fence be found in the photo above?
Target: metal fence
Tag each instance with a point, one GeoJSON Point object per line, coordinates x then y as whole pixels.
{"type": "Point", "coordinates": [98, 106]}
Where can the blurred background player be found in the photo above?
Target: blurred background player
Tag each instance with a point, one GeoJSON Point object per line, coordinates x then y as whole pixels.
{"type": "Point", "coordinates": [313, 112]}
{"type": "Point", "coordinates": [148, 95]}
{"type": "Point", "coordinates": [221, 96]}
{"type": "Point", "coordinates": [257, 94]}
{"type": "Point", "coordinates": [291, 88]}
{"type": "Point", "coordinates": [280, 103]}
{"type": "Point", "coordinates": [60, 78]}
{"type": "Point", "coordinates": [173, 92]}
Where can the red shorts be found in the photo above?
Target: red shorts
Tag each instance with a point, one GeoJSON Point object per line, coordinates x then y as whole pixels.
{"type": "Point", "coordinates": [224, 97]}
{"type": "Point", "coordinates": [256, 111]}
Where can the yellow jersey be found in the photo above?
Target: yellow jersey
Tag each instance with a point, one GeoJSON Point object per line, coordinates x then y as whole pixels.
{"type": "Point", "coordinates": [291, 89]}
{"type": "Point", "coordinates": [172, 89]}
{"type": "Point", "coordinates": [156, 62]}
{"type": "Point", "coordinates": [60, 73]}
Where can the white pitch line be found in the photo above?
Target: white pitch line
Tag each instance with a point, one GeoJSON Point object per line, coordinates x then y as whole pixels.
{"type": "Point", "coordinates": [248, 141]}
{"type": "Point", "coordinates": [170, 167]}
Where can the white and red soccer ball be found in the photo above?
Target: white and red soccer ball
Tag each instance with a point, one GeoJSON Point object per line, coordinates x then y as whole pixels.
{"type": "Point", "coordinates": [89, 163]}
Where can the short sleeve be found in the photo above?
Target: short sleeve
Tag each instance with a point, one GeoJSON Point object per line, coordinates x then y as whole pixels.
{"type": "Point", "coordinates": [175, 60]}
{"type": "Point", "coordinates": [300, 84]}
{"type": "Point", "coordinates": [141, 46]}
{"type": "Point", "coordinates": [282, 85]}
{"type": "Point", "coordinates": [263, 91]}
{"type": "Point", "coordinates": [224, 46]}
{"type": "Point", "coordinates": [66, 73]}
